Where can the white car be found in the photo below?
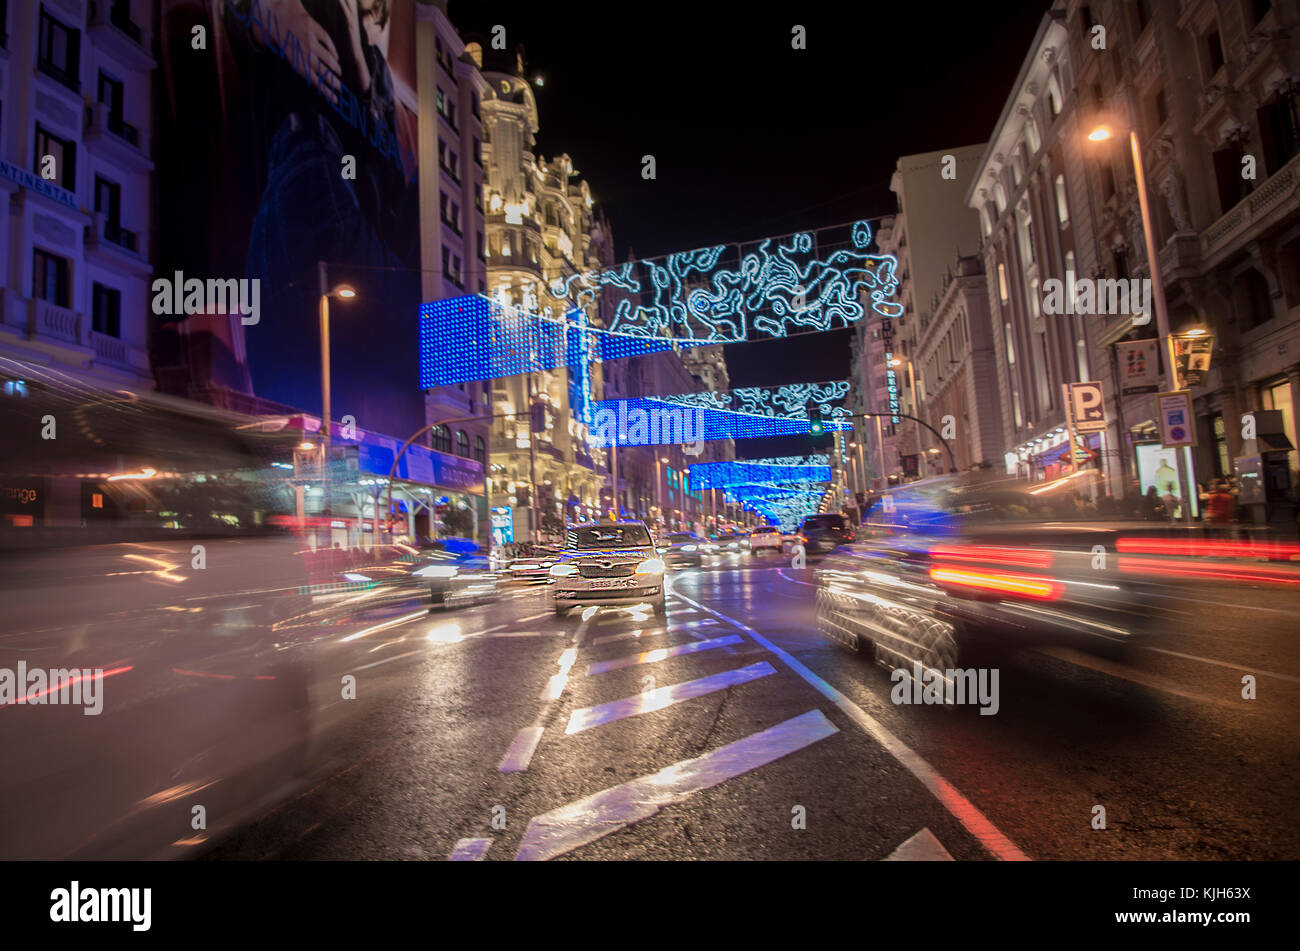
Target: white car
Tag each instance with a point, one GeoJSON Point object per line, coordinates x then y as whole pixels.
{"type": "Point", "coordinates": [765, 538]}
{"type": "Point", "coordinates": [608, 563]}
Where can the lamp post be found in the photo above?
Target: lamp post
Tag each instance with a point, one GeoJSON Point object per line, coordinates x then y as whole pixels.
{"type": "Point", "coordinates": [660, 462]}
{"type": "Point", "coordinates": [344, 292]}
{"type": "Point", "coordinates": [1101, 134]}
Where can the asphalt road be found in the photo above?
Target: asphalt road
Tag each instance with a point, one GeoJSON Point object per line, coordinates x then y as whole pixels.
{"type": "Point", "coordinates": [732, 730]}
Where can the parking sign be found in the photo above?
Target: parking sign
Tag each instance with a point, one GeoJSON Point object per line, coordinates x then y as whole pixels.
{"type": "Point", "coordinates": [1087, 406]}
{"type": "Point", "coordinates": [1177, 426]}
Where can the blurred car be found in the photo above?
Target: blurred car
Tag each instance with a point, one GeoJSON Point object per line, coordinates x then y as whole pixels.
{"type": "Point", "coordinates": [949, 564]}
{"type": "Point", "coordinates": [824, 532]}
{"type": "Point", "coordinates": [607, 564]}
{"type": "Point", "coordinates": [731, 543]}
{"type": "Point", "coordinates": [765, 538]}
{"type": "Point", "coordinates": [788, 541]}
{"type": "Point", "coordinates": [683, 549]}
{"type": "Point", "coordinates": [534, 568]}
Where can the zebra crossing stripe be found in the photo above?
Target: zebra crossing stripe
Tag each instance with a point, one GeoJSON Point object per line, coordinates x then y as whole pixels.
{"type": "Point", "coordinates": [470, 850]}
{"type": "Point", "coordinates": [663, 653]}
{"type": "Point", "coordinates": [588, 717]}
{"type": "Point", "coordinates": [580, 823]}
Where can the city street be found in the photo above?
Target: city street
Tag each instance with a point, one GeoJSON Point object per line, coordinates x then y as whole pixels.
{"type": "Point", "coordinates": [733, 730]}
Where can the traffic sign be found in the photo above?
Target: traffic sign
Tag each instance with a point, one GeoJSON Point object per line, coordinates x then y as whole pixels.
{"type": "Point", "coordinates": [1177, 425]}
{"type": "Point", "coordinates": [1087, 406]}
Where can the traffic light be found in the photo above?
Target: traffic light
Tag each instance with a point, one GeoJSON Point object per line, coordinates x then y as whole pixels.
{"type": "Point", "coordinates": [537, 417]}
{"type": "Point", "coordinates": [816, 425]}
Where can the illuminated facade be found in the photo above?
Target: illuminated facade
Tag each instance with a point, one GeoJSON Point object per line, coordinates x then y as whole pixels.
{"type": "Point", "coordinates": [76, 174]}
{"type": "Point", "coordinates": [541, 225]}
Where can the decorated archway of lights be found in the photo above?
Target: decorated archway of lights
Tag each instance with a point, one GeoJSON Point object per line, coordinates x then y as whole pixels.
{"type": "Point", "coordinates": [784, 488]}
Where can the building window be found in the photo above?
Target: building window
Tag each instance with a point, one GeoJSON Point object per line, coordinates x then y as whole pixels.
{"type": "Point", "coordinates": [473, 105]}
{"type": "Point", "coordinates": [108, 202]}
{"type": "Point", "coordinates": [50, 278]}
{"type": "Point", "coordinates": [1062, 205]}
{"type": "Point", "coordinates": [481, 245]}
{"type": "Point", "coordinates": [107, 310]}
{"type": "Point", "coordinates": [1251, 299]}
{"type": "Point", "coordinates": [1279, 132]}
{"type": "Point", "coordinates": [1213, 54]}
{"type": "Point", "coordinates": [462, 443]}
{"type": "Point", "coordinates": [1002, 282]}
{"type": "Point", "coordinates": [442, 102]}
{"type": "Point", "coordinates": [440, 436]}
{"type": "Point", "coordinates": [1031, 134]}
{"type": "Point", "coordinates": [110, 94]}
{"type": "Point", "coordinates": [64, 152]}
{"type": "Point", "coordinates": [1278, 397]}
{"type": "Point", "coordinates": [1259, 9]}
{"type": "Point", "coordinates": [1054, 97]}
{"type": "Point", "coordinates": [478, 152]}
{"type": "Point", "coordinates": [58, 55]}
{"type": "Point", "coordinates": [480, 450]}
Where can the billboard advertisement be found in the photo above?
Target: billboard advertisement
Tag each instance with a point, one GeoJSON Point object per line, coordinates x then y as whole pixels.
{"type": "Point", "coordinates": [286, 134]}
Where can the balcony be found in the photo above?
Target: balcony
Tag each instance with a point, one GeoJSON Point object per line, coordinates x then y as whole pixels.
{"type": "Point", "coordinates": [1274, 199]}
{"type": "Point", "coordinates": [51, 322]}
{"type": "Point", "coordinates": [110, 136]}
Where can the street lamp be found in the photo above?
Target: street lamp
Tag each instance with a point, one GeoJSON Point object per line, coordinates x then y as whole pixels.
{"type": "Point", "coordinates": [344, 292]}
{"type": "Point", "coordinates": [1101, 134]}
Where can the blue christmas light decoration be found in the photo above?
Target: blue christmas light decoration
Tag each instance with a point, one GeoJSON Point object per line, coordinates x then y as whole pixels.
{"type": "Point", "coordinates": [655, 422]}
{"type": "Point", "coordinates": [790, 401]}
{"type": "Point", "coordinates": [757, 492]}
{"type": "Point", "coordinates": [719, 475]}
{"type": "Point", "coordinates": [723, 294]}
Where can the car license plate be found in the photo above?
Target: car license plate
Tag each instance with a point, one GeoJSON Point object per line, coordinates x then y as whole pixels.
{"type": "Point", "coordinates": [611, 582]}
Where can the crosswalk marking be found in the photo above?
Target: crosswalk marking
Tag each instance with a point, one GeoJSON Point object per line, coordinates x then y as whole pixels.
{"type": "Point", "coordinates": [470, 850]}
{"type": "Point", "coordinates": [922, 847]}
{"type": "Point", "coordinates": [961, 808]}
{"type": "Point", "coordinates": [580, 823]}
{"type": "Point", "coordinates": [521, 750]}
{"type": "Point", "coordinates": [588, 717]}
{"type": "Point", "coordinates": [625, 636]}
{"type": "Point", "coordinates": [663, 653]}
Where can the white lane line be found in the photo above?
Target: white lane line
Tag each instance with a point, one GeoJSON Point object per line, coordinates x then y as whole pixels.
{"type": "Point", "coordinates": [588, 717]}
{"type": "Point", "coordinates": [807, 584]}
{"type": "Point", "coordinates": [521, 750]}
{"type": "Point", "coordinates": [922, 847]}
{"type": "Point", "coordinates": [663, 653]}
{"type": "Point", "coordinates": [520, 754]}
{"type": "Point", "coordinates": [580, 823]}
{"type": "Point", "coordinates": [625, 636]}
{"type": "Point", "coordinates": [962, 809]}
{"type": "Point", "coordinates": [470, 850]}
{"type": "Point", "coordinates": [1122, 672]}
{"type": "Point", "coordinates": [387, 660]}
{"type": "Point", "coordinates": [1220, 663]}
{"type": "Point", "coordinates": [384, 626]}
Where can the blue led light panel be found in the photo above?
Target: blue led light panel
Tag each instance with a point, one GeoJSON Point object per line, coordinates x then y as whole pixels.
{"type": "Point", "coordinates": [718, 475]}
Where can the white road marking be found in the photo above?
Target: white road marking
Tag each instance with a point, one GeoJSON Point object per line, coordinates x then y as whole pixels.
{"type": "Point", "coordinates": [663, 653]}
{"type": "Point", "coordinates": [470, 850]}
{"type": "Point", "coordinates": [1220, 663]}
{"type": "Point", "coordinates": [1123, 672]}
{"type": "Point", "coordinates": [387, 660]}
{"type": "Point", "coordinates": [922, 847]}
{"type": "Point", "coordinates": [580, 823]}
{"type": "Point", "coordinates": [626, 635]}
{"type": "Point", "coordinates": [962, 809]}
{"type": "Point", "coordinates": [521, 750]}
{"type": "Point", "coordinates": [806, 584]}
{"type": "Point", "coordinates": [588, 717]}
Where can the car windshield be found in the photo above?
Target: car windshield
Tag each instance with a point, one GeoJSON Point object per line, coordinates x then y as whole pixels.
{"type": "Point", "coordinates": [611, 536]}
{"type": "Point", "coordinates": [680, 537]}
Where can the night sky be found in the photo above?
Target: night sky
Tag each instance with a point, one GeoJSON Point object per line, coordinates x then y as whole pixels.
{"type": "Point", "coordinates": [751, 137]}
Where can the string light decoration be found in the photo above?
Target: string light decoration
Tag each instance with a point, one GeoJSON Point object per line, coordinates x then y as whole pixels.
{"type": "Point", "coordinates": [722, 294]}
{"type": "Point", "coordinates": [790, 401]}
{"type": "Point", "coordinates": [721, 475]}
{"type": "Point", "coordinates": [725, 294]}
